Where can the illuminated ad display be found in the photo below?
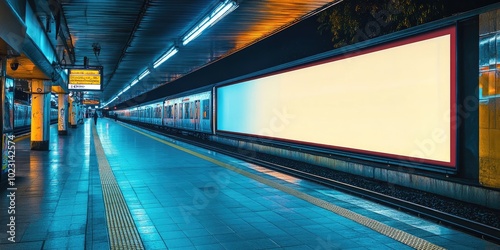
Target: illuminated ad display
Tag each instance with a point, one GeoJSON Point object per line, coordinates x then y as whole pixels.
{"type": "Point", "coordinates": [84, 79]}
{"type": "Point", "coordinates": [392, 100]}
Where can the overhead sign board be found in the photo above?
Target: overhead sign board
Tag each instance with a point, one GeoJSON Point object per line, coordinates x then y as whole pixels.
{"type": "Point", "coordinates": [85, 79]}
{"type": "Point", "coordinates": [90, 102]}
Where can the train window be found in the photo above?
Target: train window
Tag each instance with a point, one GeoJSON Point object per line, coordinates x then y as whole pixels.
{"type": "Point", "coordinates": [169, 111]}
{"type": "Point", "coordinates": [206, 109]}
{"type": "Point", "coordinates": [197, 109]}
{"type": "Point", "coordinates": [180, 111]}
{"type": "Point", "coordinates": [158, 111]}
{"type": "Point", "coordinates": [186, 110]}
{"type": "Point", "coordinates": [191, 111]}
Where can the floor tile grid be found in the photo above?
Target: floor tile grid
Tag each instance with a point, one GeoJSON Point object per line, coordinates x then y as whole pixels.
{"type": "Point", "coordinates": [264, 186]}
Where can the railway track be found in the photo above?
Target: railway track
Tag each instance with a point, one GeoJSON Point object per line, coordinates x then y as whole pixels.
{"type": "Point", "coordinates": [22, 131]}
{"type": "Point", "coordinates": [18, 131]}
{"type": "Point", "coordinates": [472, 227]}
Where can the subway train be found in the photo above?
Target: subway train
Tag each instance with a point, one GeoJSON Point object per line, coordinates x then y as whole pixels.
{"type": "Point", "coordinates": [189, 112]}
{"type": "Point", "coordinates": [22, 115]}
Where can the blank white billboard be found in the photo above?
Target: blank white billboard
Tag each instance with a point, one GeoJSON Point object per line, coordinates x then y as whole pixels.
{"type": "Point", "coordinates": [394, 100]}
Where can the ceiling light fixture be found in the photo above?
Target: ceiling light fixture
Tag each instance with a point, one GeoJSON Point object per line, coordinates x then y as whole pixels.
{"type": "Point", "coordinates": [126, 88]}
{"type": "Point", "coordinates": [134, 82]}
{"type": "Point", "coordinates": [144, 74]}
{"type": "Point", "coordinates": [165, 57]}
{"type": "Point", "coordinates": [218, 13]}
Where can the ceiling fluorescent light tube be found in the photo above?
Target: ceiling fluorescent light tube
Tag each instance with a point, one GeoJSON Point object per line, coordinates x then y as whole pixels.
{"type": "Point", "coordinates": [144, 74]}
{"type": "Point", "coordinates": [195, 32]}
{"type": "Point", "coordinates": [223, 9]}
{"type": "Point", "coordinates": [134, 82]}
{"type": "Point", "coordinates": [165, 57]}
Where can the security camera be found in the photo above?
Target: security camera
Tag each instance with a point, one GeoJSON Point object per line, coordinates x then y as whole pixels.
{"type": "Point", "coordinates": [14, 66]}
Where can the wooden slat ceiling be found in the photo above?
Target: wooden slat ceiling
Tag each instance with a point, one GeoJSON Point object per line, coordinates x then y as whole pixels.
{"type": "Point", "coordinates": [132, 34]}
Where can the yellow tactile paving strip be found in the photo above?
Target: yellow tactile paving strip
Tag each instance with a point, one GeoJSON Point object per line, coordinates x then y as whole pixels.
{"type": "Point", "coordinates": [396, 234]}
{"type": "Point", "coordinates": [122, 231]}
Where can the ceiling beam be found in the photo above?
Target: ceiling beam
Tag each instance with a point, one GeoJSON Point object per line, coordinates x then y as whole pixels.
{"type": "Point", "coordinates": [138, 21]}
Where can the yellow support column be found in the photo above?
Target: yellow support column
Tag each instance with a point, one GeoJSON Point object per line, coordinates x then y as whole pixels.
{"type": "Point", "coordinates": [40, 114]}
{"type": "Point", "coordinates": [62, 120]}
{"type": "Point", "coordinates": [71, 112]}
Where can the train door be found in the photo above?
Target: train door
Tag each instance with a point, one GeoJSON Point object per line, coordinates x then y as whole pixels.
{"type": "Point", "coordinates": [191, 116]}
{"type": "Point", "coordinates": [150, 115]}
{"type": "Point", "coordinates": [176, 116]}
{"type": "Point", "coordinates": [205, 119]}
{"type": "Point", "coordinates": [169, 113]}
{"type": "Point", "coordinates": [186, 120]}
{"type": "Point", "coordinates": [197, 115]}
{"type": "Point", "coordinates": [164, 114]}
{"type": "Point", "coordinates": [157, 115]}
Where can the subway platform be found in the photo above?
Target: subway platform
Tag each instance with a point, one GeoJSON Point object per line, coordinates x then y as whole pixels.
{"type": "Point", "coordinates": [114, 186]}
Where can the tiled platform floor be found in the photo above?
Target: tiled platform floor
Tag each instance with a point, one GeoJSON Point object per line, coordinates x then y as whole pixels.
{"type": "Point", "coordinates": [58, 198]}
{"type": "Point", "coordinates": [185, 198]}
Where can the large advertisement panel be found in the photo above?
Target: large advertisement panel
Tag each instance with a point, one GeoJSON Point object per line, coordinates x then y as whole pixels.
{"type": "Point", "coordinates": [393, 100]}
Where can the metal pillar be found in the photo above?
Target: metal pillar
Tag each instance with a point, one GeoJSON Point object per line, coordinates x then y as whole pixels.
{"type": "Point", "coordinates": [62, 120]}
{"type": "Point", "coordinates": [40, 114]}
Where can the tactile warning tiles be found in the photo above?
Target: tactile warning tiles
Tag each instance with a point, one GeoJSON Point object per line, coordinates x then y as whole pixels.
{"type": "Point", "coordinates": [122, 231]}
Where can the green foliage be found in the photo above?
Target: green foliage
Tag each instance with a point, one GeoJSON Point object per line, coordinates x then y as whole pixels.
{"type": "Point", "coordinates": [356, 20]}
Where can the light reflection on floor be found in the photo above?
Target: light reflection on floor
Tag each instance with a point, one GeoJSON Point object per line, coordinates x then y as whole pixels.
{"type": "Point", "coordinates": [282, 176]}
